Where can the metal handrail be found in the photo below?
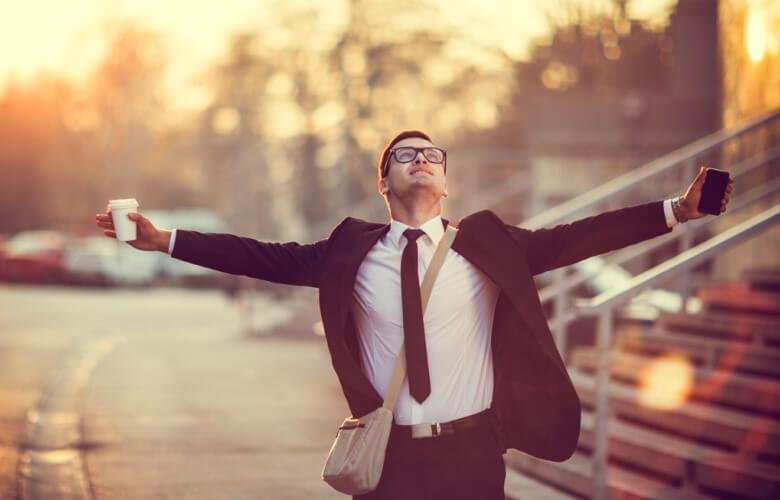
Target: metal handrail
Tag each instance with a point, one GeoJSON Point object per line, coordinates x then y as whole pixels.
{"type": "Point", "coordinates": [604, 305]}
{"type": "Point", "coordinates": [683, 157]}
{"type": "Point", "coordinates": [629, 253]}
{"type": "Point", "coordinates": [681, 262]}
{"type": "Point", "coordinates": [650, 170]}
{"type": "Point", "coordinates": [632, 252]}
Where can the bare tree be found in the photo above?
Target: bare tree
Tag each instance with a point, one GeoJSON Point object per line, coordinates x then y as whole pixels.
{"type": "Point", "coordinates": [126, 91]}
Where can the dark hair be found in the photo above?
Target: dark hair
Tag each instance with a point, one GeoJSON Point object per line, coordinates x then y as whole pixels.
{"type": "Point", "coordinates": [398, 138]}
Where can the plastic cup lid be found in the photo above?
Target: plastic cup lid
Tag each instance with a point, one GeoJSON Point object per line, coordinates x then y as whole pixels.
{"type": "Point", "coordinates": [123, 203]}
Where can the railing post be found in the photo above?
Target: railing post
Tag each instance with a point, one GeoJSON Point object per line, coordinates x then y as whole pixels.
{"type": "Point", "coordinates": [601, 421]}
{"type": "Point", "coordinates": [561, 304]}
{"type": "Point", "coordinates": [686, 241]}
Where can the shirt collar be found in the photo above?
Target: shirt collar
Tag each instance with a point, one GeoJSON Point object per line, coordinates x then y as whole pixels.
{"type": "Point", "coordinates": [433, 228]}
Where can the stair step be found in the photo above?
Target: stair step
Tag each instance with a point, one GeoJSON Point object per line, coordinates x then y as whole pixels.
{"type": "Point", "coordinates": [740, 297]}
{"type": "Point", "coordinates": [768, 279]}
{"type": "Point", "coordinates": [682, 461]}
{"type": "Point", "coordinates": [707, 353]}
{"type": "Point", "coordinates": [729, 326]}
{"type": "Point", "coordinates": [575, 476]}
{"type": "Point", "coordinates": [732, 430]}
{"type": "Point", "coordinates": [719, 386]}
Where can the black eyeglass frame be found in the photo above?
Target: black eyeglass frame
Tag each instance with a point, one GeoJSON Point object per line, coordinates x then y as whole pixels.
{"type": "Point", "coordinates": [386, 166]}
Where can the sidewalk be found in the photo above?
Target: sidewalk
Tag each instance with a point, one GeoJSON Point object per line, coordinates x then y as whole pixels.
{"type": "Point", "coordinates": [211, 415]}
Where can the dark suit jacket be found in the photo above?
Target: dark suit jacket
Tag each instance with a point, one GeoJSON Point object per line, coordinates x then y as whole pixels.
{"type": "Point", "coordinates": [537, 406]}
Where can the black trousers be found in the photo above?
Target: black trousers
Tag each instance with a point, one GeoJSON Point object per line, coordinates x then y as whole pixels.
{"type": "Point", "coordinates": [467, 465]}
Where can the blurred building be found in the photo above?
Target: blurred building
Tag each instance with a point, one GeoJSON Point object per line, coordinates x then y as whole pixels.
{"type": "Point", "coordinates": [749, 51]}
{"type": "Point", "coordinates": [608, 94]}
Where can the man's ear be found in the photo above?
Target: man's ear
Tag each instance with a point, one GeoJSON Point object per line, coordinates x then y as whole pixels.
{"type": "Point", "coordinates": [382, 186]}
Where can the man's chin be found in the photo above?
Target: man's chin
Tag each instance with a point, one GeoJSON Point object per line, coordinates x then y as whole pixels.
{"type": "Point", "coordinates": [418, 188]}
{"type": "Point", "coordinates": [427, 184]}
{"type": "Point", "coordinates": [422, 179]}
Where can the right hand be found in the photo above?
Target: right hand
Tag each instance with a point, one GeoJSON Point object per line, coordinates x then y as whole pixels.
{"type": "Point", "coordinates": [148, 237]}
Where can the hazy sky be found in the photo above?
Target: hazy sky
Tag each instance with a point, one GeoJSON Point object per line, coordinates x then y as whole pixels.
{"type": "Point", "coordinates": [67, 36]}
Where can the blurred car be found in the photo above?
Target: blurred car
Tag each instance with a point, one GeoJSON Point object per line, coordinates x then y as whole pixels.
{"type": "Point", "coordinates": [3, 239]}
{"type": "Point", "coordinates": [34, 257]}
{"type": "Point", "coordinates": [100, 261]}
{"type": "Point", "coordinates": [88, 261]}
{"type": "Point", "coordinates": [184, 273]}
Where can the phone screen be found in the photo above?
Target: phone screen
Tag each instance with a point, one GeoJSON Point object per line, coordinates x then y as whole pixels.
{"type": "Point", "coordinates": [713, 191]}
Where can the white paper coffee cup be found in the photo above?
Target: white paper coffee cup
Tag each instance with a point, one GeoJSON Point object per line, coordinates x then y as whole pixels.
{"type": "Point", "coordinates": [125, 228]}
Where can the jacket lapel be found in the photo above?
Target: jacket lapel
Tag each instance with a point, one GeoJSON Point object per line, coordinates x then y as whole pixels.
{"type": "Point", "coordinates": [336, 295]}
{"type": "Point", "coordinates": [336, 298]}
{"type": "Point", "coordinates": [347, 260]}
{"type": "Point", "coordinates": [360, 244]}
{"type": "Point", "coordinates": [491, 250]}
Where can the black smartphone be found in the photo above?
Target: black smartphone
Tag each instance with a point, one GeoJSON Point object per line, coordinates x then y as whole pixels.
{"type": "Point", "coordinates": [713, 191]}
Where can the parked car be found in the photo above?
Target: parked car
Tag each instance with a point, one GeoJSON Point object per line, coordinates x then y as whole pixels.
{"type": "Point", "coordinates": [3, 239]}
{"type": "Point", "coordinates": [96, 260]}
{"type": "Point", "coordinates": [34, 257]}
{"type": "Point", "coordinates": [100, 261]}
{"type": "Point", "coordinates": [181, 272]}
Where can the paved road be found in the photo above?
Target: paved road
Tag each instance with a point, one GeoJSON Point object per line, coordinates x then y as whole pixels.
{"type": "Point", "coordinates": [161, 393]}
{"type": "Point", "coordinates": [172, 399]}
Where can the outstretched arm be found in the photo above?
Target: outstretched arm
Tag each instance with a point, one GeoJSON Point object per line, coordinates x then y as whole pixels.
{"type": "Point", "coordinates": [565, 244]}
{"type": "Point", "coordinates": [289, 263]}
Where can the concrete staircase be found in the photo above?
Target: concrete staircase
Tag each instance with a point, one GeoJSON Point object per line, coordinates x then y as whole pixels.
{"type": "Point", "coordinates": [720, 439]}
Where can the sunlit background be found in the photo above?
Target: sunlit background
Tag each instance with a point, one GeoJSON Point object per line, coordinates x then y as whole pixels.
{"type": "Point", "coordinates": [70, 39]}
{"type": "Point", "coordinates": [226, 104]}
{"type": "Point", "coordinates": [272, 113]}
{"type": "Point", "coordinates": [265, 118]}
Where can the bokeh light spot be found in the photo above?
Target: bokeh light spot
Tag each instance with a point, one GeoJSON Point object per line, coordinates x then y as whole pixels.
{"type": "Point", "coordinates": [225, 120]}
{"type": "Point", "coordinates": [666, 382]}
{"type": "Point", "coordinates": [756, 35]}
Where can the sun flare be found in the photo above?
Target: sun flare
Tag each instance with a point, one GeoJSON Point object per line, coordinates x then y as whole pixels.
{"type": "Point", "coordinates": [667, 382]}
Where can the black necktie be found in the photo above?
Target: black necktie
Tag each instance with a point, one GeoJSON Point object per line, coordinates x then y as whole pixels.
{"type": "Point", "coordinates": [414, 332]}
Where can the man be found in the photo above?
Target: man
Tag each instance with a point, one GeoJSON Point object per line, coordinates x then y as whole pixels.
{"type": "Point", "coordinates": [483, 372]}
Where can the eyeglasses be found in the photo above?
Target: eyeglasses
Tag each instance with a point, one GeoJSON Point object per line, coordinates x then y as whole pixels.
{"type": "Point", "coordinates": [406, 154]}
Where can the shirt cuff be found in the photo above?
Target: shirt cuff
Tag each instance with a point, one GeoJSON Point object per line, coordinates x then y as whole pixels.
{"type": "Point", "coordinates": [171, 243]}
{"type": "Point", "coordinates": [671, 220]}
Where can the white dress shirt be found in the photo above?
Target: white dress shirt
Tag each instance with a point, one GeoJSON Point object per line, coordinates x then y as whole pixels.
{"type": "Point", "coordinates": [458, 322]}
{"type": "Point", "coordinates": [458, 325]}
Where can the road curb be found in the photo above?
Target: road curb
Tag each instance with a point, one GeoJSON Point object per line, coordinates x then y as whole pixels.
{"type": "Point", "coordinates": [51, 465]}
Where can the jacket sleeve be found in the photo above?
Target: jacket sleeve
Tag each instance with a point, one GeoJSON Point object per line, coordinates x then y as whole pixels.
{"type": "Point", "coordinates": [564, 244]}
{"type": "Point", "coordinates": [288, 263]}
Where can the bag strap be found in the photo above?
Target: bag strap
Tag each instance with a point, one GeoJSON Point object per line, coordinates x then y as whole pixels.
{"type": "Point", "coordinates": [425, 292]}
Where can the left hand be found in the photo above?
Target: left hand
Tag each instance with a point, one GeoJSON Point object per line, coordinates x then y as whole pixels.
{"type": "Point", "coordinates": [690, 200]}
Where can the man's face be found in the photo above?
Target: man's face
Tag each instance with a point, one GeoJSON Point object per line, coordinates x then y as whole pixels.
{"type": "Point", "coordinates": [415, 176]}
